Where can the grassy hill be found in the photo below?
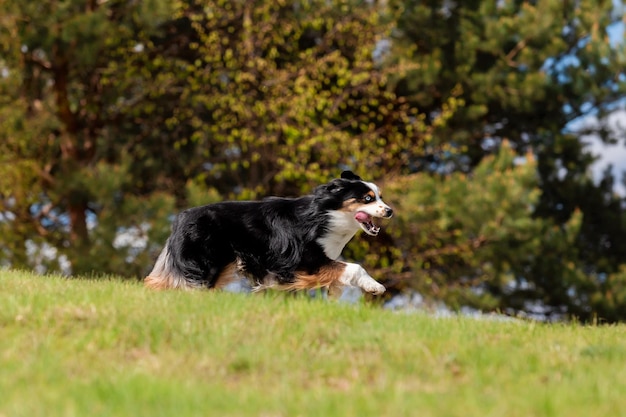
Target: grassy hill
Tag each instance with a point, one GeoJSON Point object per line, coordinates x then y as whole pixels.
{"type": "Point", "coordinates": [112, 348]}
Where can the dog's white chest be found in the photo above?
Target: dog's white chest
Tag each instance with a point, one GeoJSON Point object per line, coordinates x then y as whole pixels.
{"type": "Point", "coordinates": [342, 228]}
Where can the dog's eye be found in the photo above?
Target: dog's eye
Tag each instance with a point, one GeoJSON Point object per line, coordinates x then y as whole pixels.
{"type": "Point", "coordinates": [368, 198]}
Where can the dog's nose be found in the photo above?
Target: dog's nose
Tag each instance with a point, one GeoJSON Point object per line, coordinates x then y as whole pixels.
{"type": "Point", "coordinates": [388, 212]}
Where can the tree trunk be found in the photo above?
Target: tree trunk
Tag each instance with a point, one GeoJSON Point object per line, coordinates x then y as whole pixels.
{"type": "Point", "coordinates": [71, 150]}
{"type": "Point", "coordinates": [78, 222]}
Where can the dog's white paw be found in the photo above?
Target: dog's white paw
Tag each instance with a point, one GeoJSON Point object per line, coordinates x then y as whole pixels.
{"type": "Point", "coordinates": [355, 276]}
{"type": "Point", "coordinates": [374, 287]}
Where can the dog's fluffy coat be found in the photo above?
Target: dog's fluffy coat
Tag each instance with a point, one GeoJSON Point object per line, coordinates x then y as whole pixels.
{"type": "Point", "coordinates": [288, 243]}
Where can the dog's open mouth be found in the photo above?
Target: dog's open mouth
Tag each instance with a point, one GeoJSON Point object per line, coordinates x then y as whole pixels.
{"type": "Point", "coordinates": [366, 223]}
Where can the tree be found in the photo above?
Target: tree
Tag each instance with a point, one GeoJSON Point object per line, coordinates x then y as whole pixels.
{"type": "Point", "coordinates": [278, 96]}
{"type": "Point", "coordinates": [471, 237]}
{"type": "Point", "coordinates": [119, 111]}
{"type": "Point", "coordinates": [523, 71]}
{"type": "Point", "coordinates": [64, 188]}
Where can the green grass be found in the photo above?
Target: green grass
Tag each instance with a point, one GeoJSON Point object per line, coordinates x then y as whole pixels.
{"type": "Point", "coordinates": [112, 348]}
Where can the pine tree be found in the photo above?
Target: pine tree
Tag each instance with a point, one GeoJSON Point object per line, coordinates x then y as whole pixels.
{"type": "Point", "coordinates": [64, 189]}
{"type": "Point", "coordinates": [523, 71]}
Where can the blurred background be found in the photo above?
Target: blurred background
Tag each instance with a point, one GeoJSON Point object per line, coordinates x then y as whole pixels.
{"type": "Point", "coordinates": [496, 130]}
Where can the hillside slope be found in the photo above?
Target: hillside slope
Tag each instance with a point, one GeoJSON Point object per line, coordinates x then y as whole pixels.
{"type": "Point", "coordinates": [112, 348]}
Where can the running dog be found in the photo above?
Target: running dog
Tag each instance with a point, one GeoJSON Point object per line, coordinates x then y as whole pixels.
{"type": "Point", "coordinates": [284, 243]}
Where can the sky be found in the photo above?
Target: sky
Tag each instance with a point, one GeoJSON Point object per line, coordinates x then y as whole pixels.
{"type": "Point", "coordinates": [614, 155]}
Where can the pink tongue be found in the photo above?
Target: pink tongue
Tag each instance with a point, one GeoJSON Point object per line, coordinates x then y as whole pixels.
{"type": "Point", "coordinates": [362, 217]}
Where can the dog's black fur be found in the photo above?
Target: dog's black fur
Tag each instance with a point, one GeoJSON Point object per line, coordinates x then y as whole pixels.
{"type": "Point", "coordinates": [270, 240]}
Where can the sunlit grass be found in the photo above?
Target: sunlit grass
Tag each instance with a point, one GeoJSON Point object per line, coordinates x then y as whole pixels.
{"type": "Point", "coordinates": [112, 348]}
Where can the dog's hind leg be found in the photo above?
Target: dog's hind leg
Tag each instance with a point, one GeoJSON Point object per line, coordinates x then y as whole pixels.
{"type": "Point", "coordinates": [228, 276]}
{"type": "Point", "coordinates": [335, 290]}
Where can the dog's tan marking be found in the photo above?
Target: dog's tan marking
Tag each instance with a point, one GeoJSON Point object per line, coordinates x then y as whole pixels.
{"type": "Point", "coordinates": [227, 276]}
{"type": "Point", "coordinates": [325, 277]}
{"type": "Point", "coordinates": [155, 283]}
{"type": "Point", "coordinates": [353, 205]}
{"type": "Point", "coordinates": [350, 205]}
{"type": "Point", "coordinates": [165, 282]}
{"type": "Point", "coordinates": [162, 277]}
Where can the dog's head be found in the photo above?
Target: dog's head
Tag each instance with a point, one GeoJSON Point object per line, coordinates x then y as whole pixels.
{"type": "Point", "coordinates": [355, 201]}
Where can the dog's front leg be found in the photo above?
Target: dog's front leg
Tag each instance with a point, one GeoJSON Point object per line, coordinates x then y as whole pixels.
{"type": "Point", "coordinates": [356, 276]}
{"type": "Point", "coordinates": [334, 276]}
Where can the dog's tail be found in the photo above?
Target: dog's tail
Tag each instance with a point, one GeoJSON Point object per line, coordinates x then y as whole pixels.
{"type": "Point", "coordinates": [165, 274]}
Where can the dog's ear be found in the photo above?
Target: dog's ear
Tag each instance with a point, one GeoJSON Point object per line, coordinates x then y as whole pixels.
{"type": "Point", "coordinates": [349, 175]}
{"type": "Point", "coordinates": [334, 186]}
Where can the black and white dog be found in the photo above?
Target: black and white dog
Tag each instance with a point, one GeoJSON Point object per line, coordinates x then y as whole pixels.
{"type": "Point", "coordinates": [286, 243]}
